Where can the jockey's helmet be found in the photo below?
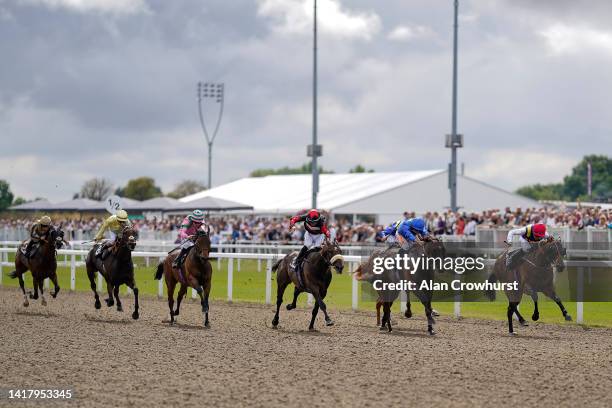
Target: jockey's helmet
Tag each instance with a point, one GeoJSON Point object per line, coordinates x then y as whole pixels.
{"type": "Point", "coordinates": [122, 215]}
{"type": "Point", "coordinates": [45, 221]}
{"type": "Point", "coordinates": [418, 225]}
{"type": "Point", "coordinates": [313, 215]}
{"type": "Point", "coordinates": [197, 216]}
{"type": "Point", "coordinates": [539, 230]}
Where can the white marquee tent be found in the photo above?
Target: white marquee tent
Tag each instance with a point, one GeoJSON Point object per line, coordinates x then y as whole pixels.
{"type": "Point", "coordinates": [384, 196]}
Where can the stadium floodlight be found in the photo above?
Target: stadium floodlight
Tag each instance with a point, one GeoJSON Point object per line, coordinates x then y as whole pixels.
{"type": "Point", "coordinates": [214, 92]}
{"type": "Point", "coordinates": [315, 150]}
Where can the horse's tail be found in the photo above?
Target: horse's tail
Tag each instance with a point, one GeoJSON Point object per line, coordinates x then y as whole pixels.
{"type": "Point", "coordinates": [13, 275]}
{"type": "Point", "coordinates": [489, 292]}
{"type": "Point", "coordinates": [160, 271]}
{"type": "Point", "coordinates": [276, 265]}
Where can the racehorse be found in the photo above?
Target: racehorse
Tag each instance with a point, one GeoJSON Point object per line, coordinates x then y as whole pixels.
{"type": "Point", "coordinates": [316, 278]}
{"type": "Point", "coordinates": [433, 248]}
{"type": "Point", "coordinates": [42, 264]}
{"type": "Point", "coordinates": [394, 276]}
{"type": "Point", "coordinates": [196, 272]}
{"type": "Point", "coordinates": [534, 274]}
{"type": "Point", "coordinates": [117, 269]}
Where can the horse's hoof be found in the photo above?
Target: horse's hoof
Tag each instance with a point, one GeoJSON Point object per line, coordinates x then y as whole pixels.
{"type": "Point", "coordinates": [431, 332]}
{"type": "Point", "coordinates": [435, 313]}
{"type": "Point", "coordinates": [275, 322]}
{"type": "Point", "coordinates": [97, 305]}
{"type": "Point", "coordinates": [176, 313]}
{"type": "Point", "coordinates": [290, 306]}
{"type": "Point", "coordinates": [381, 328]}
{"type": "Point", "coordinates": [408, 314]}
{"type": "Point", "coordinates": [524, 323]}
{"type": "Point", "coordinates": [535, 317]}
{"type": "Point", "coordinates": [32, 296]}
{"type": "Point", "coordinates": [109, 302]}
{"type": "Point", "coordinates": [207, 325]}
{"type": "Point", "coordinates": [512, 334]}
{"type": "Point", "coordinates": [44, 302]}
{"type": "Point", "coordinates": [135, 315]}
{"type": "Point", "coordinates": [329, 322]}
{"type": "Point", "coordinates": [312, 329]}
{"type": "Point", "coordinates": [119, 308]}
{"type": "Point", "coordinates": [26, 304]}
{"type": "Point", "coordinates": [390, 329]}
{"type": "Point", "coordinates": [568, 318]}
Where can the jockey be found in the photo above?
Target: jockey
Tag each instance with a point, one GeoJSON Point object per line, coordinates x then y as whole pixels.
{"type": "Point", "coordinates": [316, 231]}
{"type": "Point", "coordinates": [39, 232]}
{"type": "Point", "coordinates": [527, 235]}
{"type": "Point", "coordinates": [115, 224]}
{"type": "Point", "coordinates": [388, 234]}
{"type": "Point", "coordinates": [189, 227]}
{"type": "Point", "coordinates": [408, 231]}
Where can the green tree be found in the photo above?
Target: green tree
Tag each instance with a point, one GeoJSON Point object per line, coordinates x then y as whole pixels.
{"type": "Point", "coordinates": [141, 188]}
{"type": "Point", "coordinates": [19, 201]}
{"type": "Point", "coordinates": [574, 185]}
{"type": "Point", "coordinates": [6, 197]}
{"type": "Point", "coordinates": [360, 169]}
{"type": "Point", "coordinates": [185, 188]}
{"type": "Point", "coordinates": [303, 169]}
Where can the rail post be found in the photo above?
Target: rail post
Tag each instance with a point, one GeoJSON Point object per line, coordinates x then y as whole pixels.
{"type": "Point", "coordinates": [268, 281]}
{"type": "Point", "coordinates": [579, 296]}
{"type": "Point", "coordinates": [354, 289]}
{"type": "Point", "coordinates": [230, 279]}
{"type": "Point", "coordinates": [73, 272]}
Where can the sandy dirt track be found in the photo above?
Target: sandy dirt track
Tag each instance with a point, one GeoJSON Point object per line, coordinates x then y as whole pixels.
{"type": "Point", "coordinates": [113, 361]}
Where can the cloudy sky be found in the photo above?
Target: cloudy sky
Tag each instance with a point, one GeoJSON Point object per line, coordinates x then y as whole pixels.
{"type": "Point", "coordinates": [107, 87]}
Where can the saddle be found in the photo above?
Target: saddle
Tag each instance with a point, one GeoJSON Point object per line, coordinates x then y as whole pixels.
{"type": "Point", "coordinates": [33, 247]}
{"type": "Point", "coordinates": [299, 268]}
{"type": "Point", "coordinates": [514, 258]}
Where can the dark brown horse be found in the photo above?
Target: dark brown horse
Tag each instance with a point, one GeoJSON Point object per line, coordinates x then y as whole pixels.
{"type": "Point", "coordinates": [42, 264]}
{"type": "Point", "coordinates": [394, 276]}
{"type": "Point", "coordinates": [117, 269]}
{"type": "Point", "coordinates": [433, 248]}
{"type": "Point", "coordinates": [196, 272]}
{"type": "Point", "coordinates": [316, 277]}
{"type": "Point", "coordinates": [534, 274]}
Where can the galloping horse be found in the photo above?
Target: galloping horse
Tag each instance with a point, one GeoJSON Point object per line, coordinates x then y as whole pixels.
{"type": "Point", "coordinates": [42, 264]}
{"type": "Point", "coordinates": [387, 296]}
{"type": "Point", "coordinates": [196, 272]}
{"type": "Point", "coordinates": [433, 248]}
{"type": "Point", "coordinates": [534, 274]}
{"type": "Point", "coordinates": [316, 277]}
{"type": "Point", "coordinates": [117, 269]}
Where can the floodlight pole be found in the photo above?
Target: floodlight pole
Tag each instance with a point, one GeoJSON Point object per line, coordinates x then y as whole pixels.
{"type": "Point", "coordinates": [456, 140]}
{"type": "Point", "coordinates": [210, 90]}
{"type": "Point", "coordinates": [315, 152]}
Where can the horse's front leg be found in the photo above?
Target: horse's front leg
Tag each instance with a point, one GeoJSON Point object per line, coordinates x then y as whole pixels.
{"type": "Point", "coordinates": [426, 301]}
{"type": "Point", "coordinates": [55, 285]}
{"type": "Point", "coordinates": [550, 292]}
{"type": "Point", "coordinates": [109, 288]}
{"type": "Point", "coordinates": [35, 284]}
{"type": "Point", "coordinates": [43, 301]}
{"type": "Point", "coordinates": [116, 294]}
{"type": "Point", "coordinates": [315, 310]}
{"type": "Point", "coordinates": [536, 312]}
{"type": "Point", "coordinates": [26, 301]}
{"type": "Point", "coordinates": [319, 299]}
{"type": "Point", "coordinates": [179, 299]}
{"type": "Point", "coordinates": [132, 285]}
{"type": "Point", "coordinates": [408, 312]}
{"type": "Point", "coordinates": [293, 305]}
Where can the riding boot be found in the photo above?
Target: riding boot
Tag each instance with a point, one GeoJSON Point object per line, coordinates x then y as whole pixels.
{"type": "Point", "coordinates": [179, 259]}
{"type": "Point", "coordinates": [297, 262]}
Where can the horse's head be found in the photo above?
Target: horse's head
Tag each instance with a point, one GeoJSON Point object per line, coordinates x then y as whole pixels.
{"type": "Point", "coordinates": [128, 238]}
{"type": "Point", "coordinates": [331, 252]}
{"type": "Point", "coordinates": [57, 237]}
{"type": "Point", "coordinates": [551, 251]}
{"type": "Point", "coordinates": [202, 243]}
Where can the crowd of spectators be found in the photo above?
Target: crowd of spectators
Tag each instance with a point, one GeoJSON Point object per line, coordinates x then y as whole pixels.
{"type": "Point", "coordinates": [262, 229]}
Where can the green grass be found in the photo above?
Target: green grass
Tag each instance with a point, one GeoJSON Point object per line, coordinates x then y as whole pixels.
{"type": "Point", "coordinates": [249, 286]}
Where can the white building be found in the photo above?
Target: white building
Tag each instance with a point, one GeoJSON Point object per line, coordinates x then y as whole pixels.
{"type": "Point", "coordinates": [382, 196]}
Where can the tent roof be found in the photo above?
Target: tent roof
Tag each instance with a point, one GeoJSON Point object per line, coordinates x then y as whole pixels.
{"type": "Point", "coordinates": [157, 203]}
{"type": "Point", "coordinates": [211, 204]}
{"type": "Point", "coordinates": [32, 206]}
{"type": "Point", "coordinates": [293, 192]}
